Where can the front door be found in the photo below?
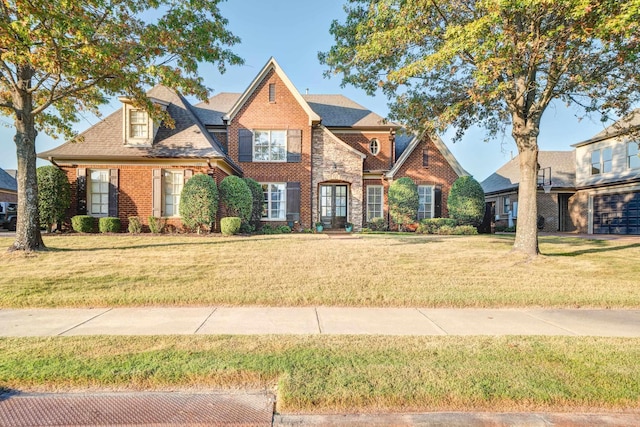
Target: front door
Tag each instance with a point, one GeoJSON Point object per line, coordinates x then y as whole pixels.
{"type": "Point", "coordinates": [333, 205]}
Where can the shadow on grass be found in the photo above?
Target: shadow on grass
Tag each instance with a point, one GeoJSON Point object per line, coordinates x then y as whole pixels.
{"type": "Point", "coordinates": [594, 250]}
{"type": "Point", "coordinates": [152, 245]}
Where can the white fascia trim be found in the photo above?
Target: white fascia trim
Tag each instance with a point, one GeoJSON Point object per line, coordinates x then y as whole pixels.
{"type": "Point", "coordinates": [271, 65]}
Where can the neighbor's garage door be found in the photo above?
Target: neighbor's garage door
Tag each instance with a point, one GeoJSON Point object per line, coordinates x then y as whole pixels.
{"type": "Point", "coordinates": [616, 214]}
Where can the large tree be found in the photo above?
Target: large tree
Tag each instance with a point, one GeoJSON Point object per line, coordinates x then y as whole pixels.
{"type": "Point", "coordinates": [493, 63]}
{"type": "Point", "coordinates": [60, 59]}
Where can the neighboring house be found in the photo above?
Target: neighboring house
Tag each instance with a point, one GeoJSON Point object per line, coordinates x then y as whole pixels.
{"type": "Point", "coordinates": [608, 179]}
{"type": "Point", "coordinates": [8, 186]}
{"type": "Point", "coordinates": [555, 202]}
{"type": "Point", "coordinates": [318, 157]}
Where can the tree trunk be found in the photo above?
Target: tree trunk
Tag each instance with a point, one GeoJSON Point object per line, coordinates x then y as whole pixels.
{"type": "Point", "coordinates": [527, 226]}
{"type": "Point", "coordinates": [28, 237]}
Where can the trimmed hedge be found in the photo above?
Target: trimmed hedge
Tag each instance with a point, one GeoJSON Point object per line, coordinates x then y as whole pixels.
{"type": "Point", "coordinates": [109, 225]}
{"type": "Point", "coordinates": [199, 203]}
{"type": "Point", "coordinates": [403, 201]}
{"type": "Point", "coordinates": [83, 223]}
{"type": "Point", "coordinates": [466, 201]}
{"type": "Point", "coordinates": [230, 225]}
{"type": "Point", "coordinates": [433, 225]}
{"type": "Point", "coordinates": [135, 225]}
{"type": "Point", "coordinates": [236, 197]}
{"type": "Point", "coordinates": [156, 225]}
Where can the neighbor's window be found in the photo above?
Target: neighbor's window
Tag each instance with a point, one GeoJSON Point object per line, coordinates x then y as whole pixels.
{"type": "Point", "coordinates": [138, 121]}
{"type": "Point", "coordinates": [633, 161]}
{"type": "Point", "coordinates": [270, 146]}
{"type": "Point", "coordinates": [274, 205]}
{"type": "Point", "coordinates": [595, 162]}
{"type": "Point", "coordinates": [99, 192]}
{"type": "Point", "coordinates": [607, 159]}
{"type": "Point", "coordinates": [374, 202]}
{"type": "Point", "coordinates": [425, 201]}
{"type": "Point", "coordinates": [506, 205]}
{"type": "Point", "coordinates": [374, 147]}
{"type": "Point", "coordinates": [172, 187]}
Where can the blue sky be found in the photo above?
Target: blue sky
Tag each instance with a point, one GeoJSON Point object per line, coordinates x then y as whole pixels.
{"type": "Point", "coordinates": [293, 32]}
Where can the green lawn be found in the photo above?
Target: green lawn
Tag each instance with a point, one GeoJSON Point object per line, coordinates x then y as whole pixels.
{"type": "Point", "coordinates": [345, 374]}
{"type": "Point", "coordinates": [310, 269]}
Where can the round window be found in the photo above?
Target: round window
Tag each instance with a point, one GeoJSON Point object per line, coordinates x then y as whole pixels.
{"type": "Point", "coordinates": [374, 147]}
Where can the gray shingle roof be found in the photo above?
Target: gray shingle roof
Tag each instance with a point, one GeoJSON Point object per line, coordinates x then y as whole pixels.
{"type": "Point", "coordinates": [563, 172]}
{"type": "Point", "coordinates": [189, 138]}
{"type": "Point", "coordinates": [629, 122]}
{"type": "Point", "coordinates": [335, 111]}
{"type": "Point", "coordinates": [7, 182]}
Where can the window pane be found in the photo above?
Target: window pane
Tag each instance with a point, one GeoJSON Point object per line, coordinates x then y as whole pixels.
{"type": "Point", "coordinates": [607, 157]}
{"type": "Point", "coordinates": [595, 162]}
{"type": "Point", "coordinates": [633, 161]}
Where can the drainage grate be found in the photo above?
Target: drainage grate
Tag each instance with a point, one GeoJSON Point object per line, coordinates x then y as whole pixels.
{"type": "Point", "coordinates": [134, 409]}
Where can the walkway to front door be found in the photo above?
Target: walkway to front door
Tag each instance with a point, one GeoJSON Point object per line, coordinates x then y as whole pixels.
{"type": "Point", "coordinates": [333, 205]}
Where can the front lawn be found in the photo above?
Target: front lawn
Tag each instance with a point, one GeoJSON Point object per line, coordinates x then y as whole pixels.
{"type": "Point", "coordinates": [308, 269]}
{"type": "Point", "coordinates": [344, 373]}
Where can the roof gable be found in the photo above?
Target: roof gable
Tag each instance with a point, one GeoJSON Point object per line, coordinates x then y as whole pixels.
{"type": "Point", "coordinates": [340, 111]}
{"type": "Point", "coordinates": [271, 65]}
{"type": "Point", "coordinates": [7, 182]}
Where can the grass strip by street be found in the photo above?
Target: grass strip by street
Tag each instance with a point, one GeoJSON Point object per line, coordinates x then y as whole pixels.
{"type": "Point", "coordinates": [344, 373]}
{"type": "Point", "coordinates": [385, 270]}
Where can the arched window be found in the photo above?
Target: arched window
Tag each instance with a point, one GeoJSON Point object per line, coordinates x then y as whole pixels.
{"type": "Point", "coordinates": [374, 147]}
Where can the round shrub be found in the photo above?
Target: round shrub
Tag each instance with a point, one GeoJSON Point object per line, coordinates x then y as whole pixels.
{"type": "Point", "coordinates": [466, 201]}
{"type": "Point", "coordinates": [199, 202]}
{"type": "Point", "coordinates": [236, 198]}
{"type": "Point", "coordinates": [82, 223]}
{"type": "Point", "coordinates": [230, 225]}
{"type": "Point", "coordinates": [54, 195]}
{"type": "Point", "coordinates": [109, 225]}
{"type": "Point", "coordinates": [403, 201]}
{"type": "Point", "coordinates": [258, 200]}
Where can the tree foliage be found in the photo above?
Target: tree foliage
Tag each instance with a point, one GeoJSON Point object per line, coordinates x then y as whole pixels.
{"type": "Point", "coordinates": [54, 195]}
{"type": "Point", "coordinates": [466, 201]}
{"type": "Point", "coordinates": [60, 59]}
{"type": "Point", "coordinates": [403, 201]}
{"type": "Point", "coordinates": [236, 198]}
{"type": "Point", "coordinates": [258, 200]}
{"type": "Point", "coordinates": [199, 203]}
{"type": "Point", "coordinates": [493, 63]}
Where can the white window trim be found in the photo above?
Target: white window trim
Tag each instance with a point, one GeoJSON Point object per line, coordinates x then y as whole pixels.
{"type": "Point", "coordinates": [164, 192]}
{"type": "Point", "coordinates": [599, 163]}
{"type": "Point", "coordinates": [90, 194]}
{"type": "Point", "coordinates": [628, 156]}
{"type": "Point", "coordinates": [283, 201]}
{"type": "Point", "coordinates": [433, 207]}
{"type": "Point", "coordinates": [144, 123]}
{"type": "Point", "coordinates": [253, 146]}
{"type": "Point", "coordinates": [381, 188]}
{"type": "Point", "coordinates": [377, 146]}
{"type": "Point", "coordinates": [506, 207]}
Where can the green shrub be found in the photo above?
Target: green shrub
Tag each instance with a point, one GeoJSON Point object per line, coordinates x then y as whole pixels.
{"type": "Point", "coordinates": [156, 225]}
{"type": "Point", "coordinates": [284, 229]}
{"type": "Point", "coordinates": [83, 223]}
{"type": "Point", "coordinates": [466, 201]}
{"type": "Point", "coordinates": [236, 198]}
{"type": "Point", "coordinates": [247, 228]}
{"type": "Point", "coordinates": [199, 203]}
{"type": "Point", "coordinates": [230, 225]}
{"type": "Point", "coordinates": [432, 225]}
{"type": "Point", "coordinates": [466, 230]}
{"type": "Point", "coordinates": [135, 225]}
{"type": "Point", "coordinates": [445, 230]}
{"type": "Point", "coordinates": [378, 224]}
{"type": "Point", "coordinates": [54, 195]}
{"type": "Point", "coordinates": [279, 229]}
{"type": "Point", "coordinates": [257, 197]}
{"type": "Point", "coordinates": [109, 225]}
{"type": "Point", "coordinates": [403, 201]}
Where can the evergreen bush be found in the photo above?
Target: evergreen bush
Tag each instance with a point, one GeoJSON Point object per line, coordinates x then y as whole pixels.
{"type": "Point", "coordinates": [257, 201]}
{"type": "Point", "coordinates": [466, 201]}
{"type": "Point", "coordinates": [230, 225]}
{"type": "Point", "coordinates": [54, 195]}
{"type": "Point", "coordinates": [236, 197]}
{"type": "Point", "coordinates": [403, 201]}
{"type": "Point", "coordinates": [83, 223]}
{"type": "Point", "coordinates": [156, 225]}
{"type": "Point", "coordinates": [109, 225]}
{"type": "Point", "coordinates": [199, 203]}
{"type": "Point", "coordinates": [135, 225]}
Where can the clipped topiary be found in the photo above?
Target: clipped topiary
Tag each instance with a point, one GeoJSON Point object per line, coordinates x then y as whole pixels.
{"type": "Point", "coordinates": [230, 225]}
{"type": "Point", "coordinates": [258, 200]}
{"type": "Point", "coordinates": [135, 225]}
{"type": "Point", "coordinates": [466, 201]}
{"type": "Point", "coordinates": [109, 225]}
{"type": "Point", "coordinates": [54, 195]}
{"type": "Point", "coordinates": [236, 198]}
{"type": "Point", "coordinates": [403, 201]}
{"type": "Point", "coordinates": [199, 203]}
{"type": "Point", "coordinates": [83, 223]}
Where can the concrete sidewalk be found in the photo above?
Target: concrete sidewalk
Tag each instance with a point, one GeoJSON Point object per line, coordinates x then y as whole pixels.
{"type": "Point", "coordinates": [317, 321]}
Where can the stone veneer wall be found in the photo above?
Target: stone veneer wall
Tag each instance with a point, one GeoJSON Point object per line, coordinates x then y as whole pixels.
{"type": "Point", "coordinates": [328, 150]}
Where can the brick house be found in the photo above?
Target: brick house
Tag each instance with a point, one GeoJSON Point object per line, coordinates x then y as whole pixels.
{"type": "Point", "coordinates": [8, 186]}
{"type": "Point", "coordinates": [318, 157]}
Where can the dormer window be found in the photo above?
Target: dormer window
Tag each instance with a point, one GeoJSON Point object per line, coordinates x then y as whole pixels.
{"type": "Point", "coordinates": [138, 124]}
